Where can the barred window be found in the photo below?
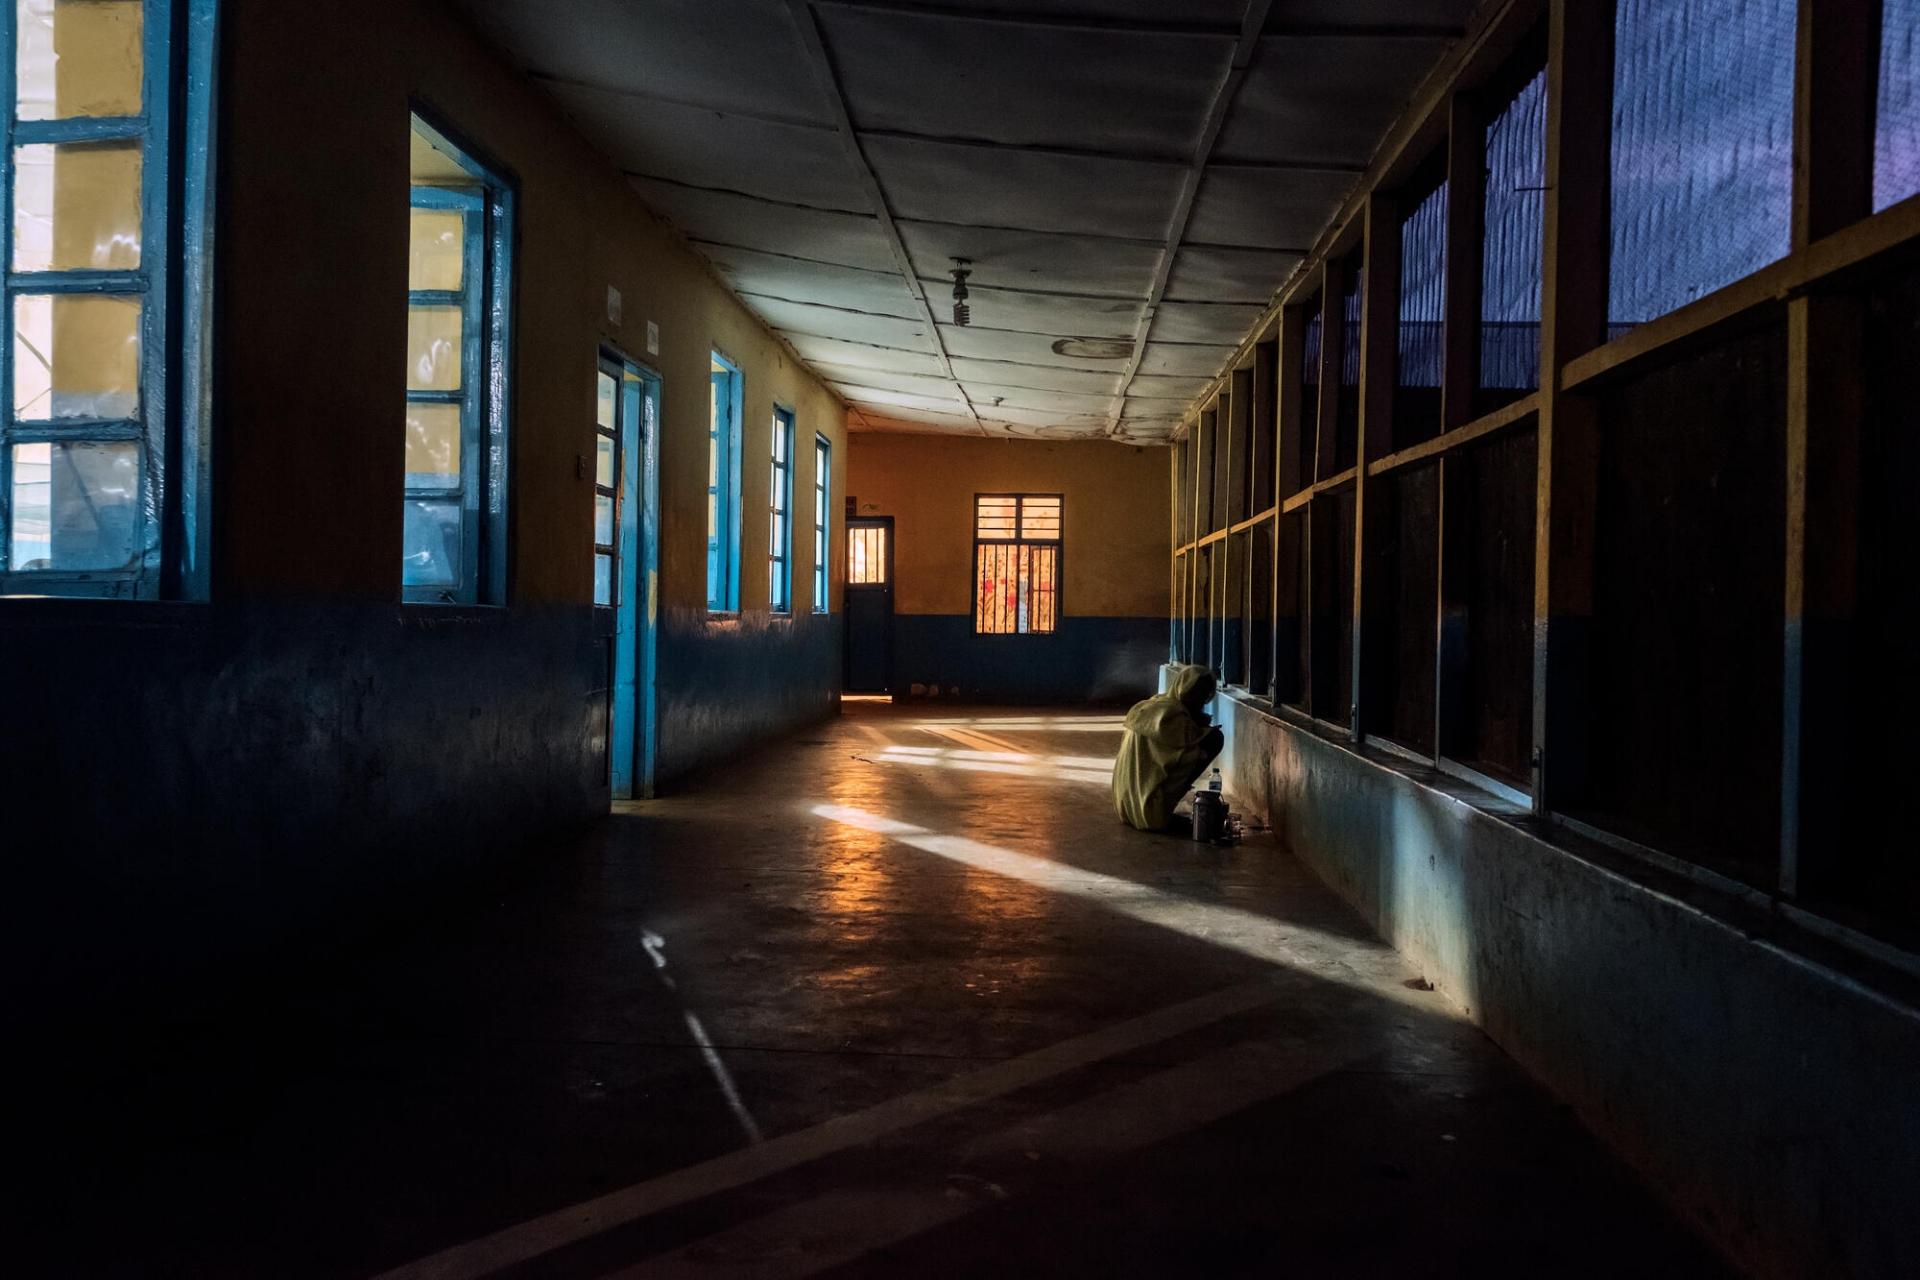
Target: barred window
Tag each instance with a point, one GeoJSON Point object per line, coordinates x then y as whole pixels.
{"type": "Point", "coordinates": [1016, 563]}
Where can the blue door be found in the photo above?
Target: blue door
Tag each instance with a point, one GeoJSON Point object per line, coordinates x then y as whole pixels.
{"type": "Point", "coordinates": [625, 516]}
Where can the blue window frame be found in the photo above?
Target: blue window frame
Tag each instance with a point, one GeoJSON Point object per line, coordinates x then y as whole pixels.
{"type": "Point", "coordinates": [104, 187]}
{"type": "Point", "coordinates": [780, 515]}
{"type": "Point", "coordinates": [723, 486]}
{"type": "Point", "coordinates": [459, 289]}
{"type": "Point", "coordinates": [822, 516]}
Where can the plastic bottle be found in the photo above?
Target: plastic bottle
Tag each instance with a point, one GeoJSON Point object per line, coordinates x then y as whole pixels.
{"type": "Point", "coordinates": [1214, 781]}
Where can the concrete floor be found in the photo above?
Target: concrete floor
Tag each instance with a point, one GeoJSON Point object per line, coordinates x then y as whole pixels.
{"type": "Point", "coordinates": [897, 997]}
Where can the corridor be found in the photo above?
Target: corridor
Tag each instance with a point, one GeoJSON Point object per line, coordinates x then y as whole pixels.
{"type": "Point", "coordinates": [895, 997]}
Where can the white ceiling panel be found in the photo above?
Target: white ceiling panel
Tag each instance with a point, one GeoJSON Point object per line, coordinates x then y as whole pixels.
{"type": "Point", "coordinates": [1183, 359]}
{"type": "Point", "coordinates": [925, 384]}
{"type": "Point", "coordinates": [1042, 313]}
{"type": "Point", "coordinates": [817, 350]}
{"type": "Point", "coordinates": [670, 49]}
{"type": "Point", "coordinates": [921, 73]}
{"type": "Point", "coordinates": [990, 396]}
{"type": "Point", "coordinates": [1165, 387]}
{"type": "Point", "coordinates": [838, 322]}
{"type": "Point", "coordinates": [724, 219]}
{"type": "Point", "coordinates": [1204, 322]}
{"type": "Point", "coordinates": [1387, 15]}
{"type": "Point", "coordinates": [1027, 348]}
{"type": "Point", "coordinates": [830, 157]}
{"type": "Point", "coordinates": [951, 402]}
{"type": "Point", "coordinates": [976, 186]}
{"type": "Point", "coordinates": [1037, 378]}
{"type": "Point", "coordinates": [1229, 275]}
{"type": "Point", "coordinates": [1032, 260]}
{"type": "Point", "coordinates": [1323, 98]}
{"type": "Point", "coordinates": [1265, 209]}
{"type": "Point", "coordinates": [881, 293]}
{"type": "Point", "coordinates": [756, 157]}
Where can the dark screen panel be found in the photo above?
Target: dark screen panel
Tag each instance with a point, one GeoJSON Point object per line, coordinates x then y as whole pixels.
{"type": "Point", "coordinates": [1689, 589]}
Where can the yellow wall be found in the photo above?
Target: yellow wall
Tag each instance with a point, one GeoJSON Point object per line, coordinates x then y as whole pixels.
{"type": "Point", "coordinates": [313, 254]}
{"type": "Point", "coordinates": [1117, 535]}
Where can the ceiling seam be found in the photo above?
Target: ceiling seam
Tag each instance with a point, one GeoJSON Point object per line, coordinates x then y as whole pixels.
{"type": "Point", "coordinates": [1149, 27]}
{"type": "Point", "coordinates": [1165, 160]}
{"type": "Point", "coordinates": [1252, 22]}
{"type": "Point", "coordinates": [1144, 242]}
{"type": "Point", "coordinates": [808, 23]}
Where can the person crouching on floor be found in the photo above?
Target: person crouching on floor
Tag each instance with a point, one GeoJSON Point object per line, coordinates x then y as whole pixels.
{"type": "Point", "coordinates": [1169, 739]}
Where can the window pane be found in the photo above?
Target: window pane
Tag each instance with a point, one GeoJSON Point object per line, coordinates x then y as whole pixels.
{"type": "Point", "coordinates": [603, 580]}
{"type": "Point", "coordinates": [431, 539]}
{"type": "Point", "coordinates": [1043, 609]}
{"type": "Point", "coordinates": [436, 257]}
{"type": "Point", "coordinates": [76, 356]}
{"type": "Point", "coordinates": [1702, 149]}
{"type": "Point", "coordinates": [995, 518]}
{"type": "Point", "coordinates": [77, 207]}
{"type": "Point", "coordinates": [999, 590]}
{"type": "Point", "coordinates": [75, 506]}
{"type": "Point", "coordinates": [603, 464]}
{"type": "Point", "coordinates": [1040, 518]}
{"type": "Point", "coordinates": [607, 398]}
{"type": "Point", "coordinates": [867, 556]}
{"type": "Point", "coordinates": [433, 348]}
{"type": "Point", "coordinates": [1896, 151]}
{"type": "Point", "coordinates": [77, 59]}
{"type": "Point", "coordinates": [433, 446]}
{"type": "Point", "coordinates": [603, 520]}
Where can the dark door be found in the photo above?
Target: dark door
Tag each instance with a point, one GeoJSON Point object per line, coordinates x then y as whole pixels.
{"type": "Point", "coordinates": [870, 605]}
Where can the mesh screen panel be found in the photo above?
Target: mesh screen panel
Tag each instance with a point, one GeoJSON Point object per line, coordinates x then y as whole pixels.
{"type": "Point", "coordinates": [1346, 421]}
{"type": "Point", "coordinates": [1702, 149]}
{"type": "Point", "coordinates": [1896, 142]}
{"type": "Point", "coordinates": [1510, 271]}
{"type": "Point", "coordinates": [1301, 453]}
{"type": "Point", "coordinates": [1423, 300]}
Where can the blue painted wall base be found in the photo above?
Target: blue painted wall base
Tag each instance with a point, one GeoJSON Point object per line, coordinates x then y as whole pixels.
{"type": "Point", "coordinates": [726, 684]}
{"type": "Point", "coordinates": [1762, 1080]}
{"type": "Point", "coordinates": [185, 786]}
{"type": "Point", "coordinates": [1104, 660]}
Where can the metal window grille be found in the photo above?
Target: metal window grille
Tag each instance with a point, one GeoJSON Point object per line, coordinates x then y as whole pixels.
{"type": "Point", "coordinates": [1016, 563]}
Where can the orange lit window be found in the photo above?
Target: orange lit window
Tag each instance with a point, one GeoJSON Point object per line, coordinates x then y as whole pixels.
{"type": "Point", "coordinates": [867, 555]}
{"type": "Point", "coordinates": [1016, 563]}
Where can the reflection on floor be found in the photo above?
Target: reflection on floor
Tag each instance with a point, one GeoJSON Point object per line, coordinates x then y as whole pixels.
{"type": "Point", "coordinates": [896, 998]}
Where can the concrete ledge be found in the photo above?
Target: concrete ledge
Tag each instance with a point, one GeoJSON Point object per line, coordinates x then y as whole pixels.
{"type": "Point", "coordinates": [1771, 1091]}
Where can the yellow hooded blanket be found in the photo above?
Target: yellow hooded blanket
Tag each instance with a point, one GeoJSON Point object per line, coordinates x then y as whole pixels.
{"type": "Point", "coordinates": [1169, 740]}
